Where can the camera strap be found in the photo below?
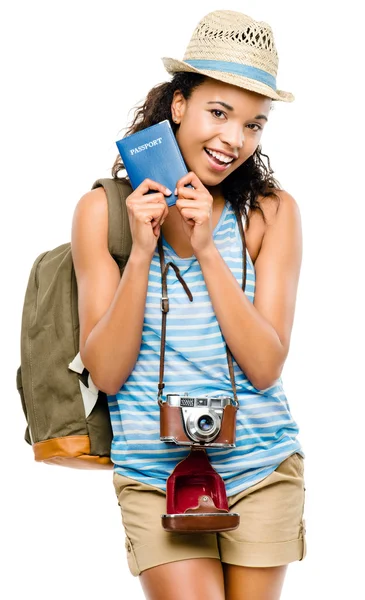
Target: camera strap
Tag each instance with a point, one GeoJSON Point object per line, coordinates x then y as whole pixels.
{"type": "Point", "coordinates": [165, 307]}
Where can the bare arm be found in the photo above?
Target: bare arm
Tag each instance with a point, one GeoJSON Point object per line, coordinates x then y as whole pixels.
{"type": "Point", "coordinates": [111, 308]}
{"type": "Point", "coordinates": [259, 334]}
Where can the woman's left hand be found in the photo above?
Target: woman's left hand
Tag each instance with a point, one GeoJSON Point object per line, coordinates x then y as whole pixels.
{"type": "Point", "coordinates": [195, 205]}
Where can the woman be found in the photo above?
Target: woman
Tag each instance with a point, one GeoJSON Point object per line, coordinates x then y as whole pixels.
{"type": "Point", "coordinates": [218, 104]}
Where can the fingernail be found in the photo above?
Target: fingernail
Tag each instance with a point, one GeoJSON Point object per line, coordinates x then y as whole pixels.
{"type": "Point", "coordinates": [175, 192]}
{"type": "Point", "coordinates": [168, 192]}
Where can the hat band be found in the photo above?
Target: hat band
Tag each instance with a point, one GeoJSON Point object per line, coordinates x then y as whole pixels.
{"type": "Point", "coordinates": [235, 69]}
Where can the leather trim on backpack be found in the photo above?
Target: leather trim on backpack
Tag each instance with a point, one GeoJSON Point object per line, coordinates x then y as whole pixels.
{"type": "Point", "coordinates": [71, 451]}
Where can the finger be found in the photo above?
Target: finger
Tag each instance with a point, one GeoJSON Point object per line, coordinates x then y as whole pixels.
{"type": "Point", "coordinates": [164, 215]}
{"type": "Point", "coordinates": [193, 203]}
{"type": "Point", "coordinates": [137, 198]}
{"type": "Point", "coordinates": [204, 206]}
{"type": "Point", "coordinates": [192, 179]}
{"type": "Point", "coordinates": [187, 192]}
{"type": "Point", "coordinates": [161, 219]}
{"type": "Point", "coordinates": [161, 206]}
{"type": "Point", "coordinates": [149, 184]}
{"type": "Point", "coordinates": [149, 213]}
{"type": "Point", "coordinates": [156, 230]}
{"type": "Point", "coordinates": [198, 216]}
{"type": "Point", "coordinates": [157, 197]}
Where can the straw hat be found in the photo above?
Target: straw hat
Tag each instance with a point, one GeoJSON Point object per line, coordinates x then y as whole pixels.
{"type": "Point", "coordinates": [236, 49]}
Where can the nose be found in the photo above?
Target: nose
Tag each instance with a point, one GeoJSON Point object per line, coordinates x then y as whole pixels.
{"type": "Point", "coordinates": [232, 134]}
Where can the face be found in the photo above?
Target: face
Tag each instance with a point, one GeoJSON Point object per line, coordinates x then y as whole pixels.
{"type": "Point", "coordinates": [220, 127]}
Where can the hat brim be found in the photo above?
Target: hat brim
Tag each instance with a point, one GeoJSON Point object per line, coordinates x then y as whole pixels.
{"type": "Point", "coordinates": [175, 66]}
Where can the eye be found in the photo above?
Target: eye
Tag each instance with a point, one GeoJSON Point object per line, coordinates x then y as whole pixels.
{"type": "Point", "coordinates": [254, 126]}
{"type": "Point", "coordinates": [218, 113]}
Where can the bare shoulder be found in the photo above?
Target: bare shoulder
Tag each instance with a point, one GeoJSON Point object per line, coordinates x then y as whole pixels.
{"type": "Point", "coordinates": [280, 206]}
{"type": "Point", "coordinates": [283, 229]}
{"type": "Point", "coordinates": [91, 205]}
{"type": "Point", "coordinates": [281, 212]}
{"type": "Point", "coordinates": [90, 220]}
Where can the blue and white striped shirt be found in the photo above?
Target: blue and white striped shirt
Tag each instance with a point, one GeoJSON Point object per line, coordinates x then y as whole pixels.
{"type": "Point", "coordinates": [196, 363]}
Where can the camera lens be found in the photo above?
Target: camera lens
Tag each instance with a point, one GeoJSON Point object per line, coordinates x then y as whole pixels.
{"type": "Point", "coordinates": [202, 425]}
{"type": "Point", "coordinates": [205, 423]}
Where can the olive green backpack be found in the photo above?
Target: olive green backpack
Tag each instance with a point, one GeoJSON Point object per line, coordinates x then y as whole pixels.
{"type": "Point", "coordinates": [68, 420]}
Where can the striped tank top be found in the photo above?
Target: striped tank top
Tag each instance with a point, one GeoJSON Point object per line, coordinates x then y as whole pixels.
{"type": "Point", "coordinates": [196, 363]}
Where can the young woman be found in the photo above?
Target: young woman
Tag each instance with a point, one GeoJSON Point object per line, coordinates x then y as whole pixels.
{"type": "Point", "coordinates": [218, 103]}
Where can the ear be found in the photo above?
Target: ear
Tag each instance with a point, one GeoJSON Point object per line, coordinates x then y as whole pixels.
{"type": "Point", "coordinates": [178, 106]}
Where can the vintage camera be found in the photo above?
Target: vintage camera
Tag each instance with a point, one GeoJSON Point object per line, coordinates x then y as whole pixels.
{"type": "Point", "coordinates": [201, 421]}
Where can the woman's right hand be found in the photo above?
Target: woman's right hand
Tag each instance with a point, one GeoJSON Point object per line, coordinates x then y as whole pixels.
{"type": "Point", "coordinates": [146, 214]}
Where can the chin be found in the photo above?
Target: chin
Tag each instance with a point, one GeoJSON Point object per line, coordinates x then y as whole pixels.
{"type": "Point", "coordinates": [212, 180]}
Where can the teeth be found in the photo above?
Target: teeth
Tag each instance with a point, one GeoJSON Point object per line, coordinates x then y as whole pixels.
{"type": "Point", "coordinates": [221, 157]}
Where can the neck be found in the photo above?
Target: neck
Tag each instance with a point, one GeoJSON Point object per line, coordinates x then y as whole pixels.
{"type": "Point", "coordinates": [216, 192]}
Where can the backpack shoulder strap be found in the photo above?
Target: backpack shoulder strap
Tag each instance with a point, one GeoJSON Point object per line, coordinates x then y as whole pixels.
{"type": "Point", "coordinates": [119, 235]}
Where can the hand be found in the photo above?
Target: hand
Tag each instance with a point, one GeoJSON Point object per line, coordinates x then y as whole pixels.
{"type": "Point", "coordinates": [146, 214]}
{"type": "Point", "coordinates": [195, 206]}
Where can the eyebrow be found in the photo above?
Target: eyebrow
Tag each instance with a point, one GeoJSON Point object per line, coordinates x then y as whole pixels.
{"type": "Point", "coordinates": [229, 107]}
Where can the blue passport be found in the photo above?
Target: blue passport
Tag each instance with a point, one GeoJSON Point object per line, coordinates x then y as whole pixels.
{"type": "Point", "coordinates": [153, 153]}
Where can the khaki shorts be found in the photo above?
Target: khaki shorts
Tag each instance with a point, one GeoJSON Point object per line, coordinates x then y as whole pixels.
{"type": "Point", "coordinates": [271, 530]}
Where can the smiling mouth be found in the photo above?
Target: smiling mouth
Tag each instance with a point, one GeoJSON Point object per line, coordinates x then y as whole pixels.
{"type": "Point", "coordinates": [219, 158]}
{"type": "Point", "coordinates": [219, 161]}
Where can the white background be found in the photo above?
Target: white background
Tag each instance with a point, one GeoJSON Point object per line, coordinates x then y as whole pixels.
{"type": "Point", "coordinates": [71, 71]}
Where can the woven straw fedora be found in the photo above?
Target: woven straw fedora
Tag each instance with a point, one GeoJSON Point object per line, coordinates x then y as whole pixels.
{"type": "Point", "coordinates": [234, 48]}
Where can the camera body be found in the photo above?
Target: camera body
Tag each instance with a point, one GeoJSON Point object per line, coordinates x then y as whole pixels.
{"type": "Point", "coordinates": [198, 420]}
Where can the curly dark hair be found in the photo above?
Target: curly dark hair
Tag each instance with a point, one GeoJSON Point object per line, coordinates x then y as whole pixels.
{"type": "Point", "coordinates": [243, 186]}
